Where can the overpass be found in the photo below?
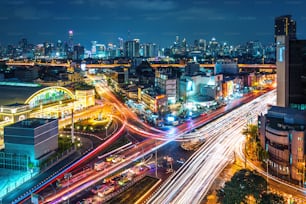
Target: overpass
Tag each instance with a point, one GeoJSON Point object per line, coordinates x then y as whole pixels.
{"type": "Point", "coordinates": [110, 66]}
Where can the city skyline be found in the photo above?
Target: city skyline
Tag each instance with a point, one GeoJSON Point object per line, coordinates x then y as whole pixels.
{"type": "Point", "coordinates": [151, 21]}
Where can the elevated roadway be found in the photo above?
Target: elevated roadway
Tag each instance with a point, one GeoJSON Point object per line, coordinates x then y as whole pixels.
{"type": "Point", "coordinates": [110, 66]}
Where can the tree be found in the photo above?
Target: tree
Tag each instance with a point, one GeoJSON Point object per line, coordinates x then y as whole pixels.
{"type": "Point", "coordinates": [251, 134]}
{"type": "Point", "coordinates": [244, 186]}
{"type": "Point", "coordinates": [271, 198]}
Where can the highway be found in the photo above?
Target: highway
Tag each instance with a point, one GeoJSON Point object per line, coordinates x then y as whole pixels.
{"type": "Point", "coordinates": [131, 120]}
{"type": "Point", "coordinates": [194, 178]}
{"type": "Point", "coordinates": [222, 136]}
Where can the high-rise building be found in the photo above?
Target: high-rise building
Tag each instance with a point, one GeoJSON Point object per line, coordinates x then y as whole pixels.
{"type": "Point", "coordinates": [70, 39]}
{"type": "Point", "coordinates": [285, 25]}
{"type": "Point", "coordinates": [131, 48]}
{"type": "Point", "coordinates": [78, 52]}
{"type": "Point", "coordinates": [291, 72]}
{"type": "Point", "coordinates": [93, 47]}
{"type": "Point", "coordinates": [282, 129]}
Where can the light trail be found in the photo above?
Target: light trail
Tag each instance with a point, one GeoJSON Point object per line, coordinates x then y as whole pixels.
{"type": "Point", "coordinates": [194, 178]}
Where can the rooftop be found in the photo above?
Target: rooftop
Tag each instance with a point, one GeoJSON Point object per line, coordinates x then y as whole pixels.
{"type": "Point", "coordinates": [16, 94]}
{"type": "Point", "coordinates": [31, 123]}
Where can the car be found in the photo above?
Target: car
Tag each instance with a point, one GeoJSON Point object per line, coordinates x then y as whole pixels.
{"type": "Point", "coordinates": [117, 158]}
{"type": "Point", "coordinates": [98, 188]}
{"type": "Point", "coordinates": [106, 191]}
{"type": "Point", "coordinates": [110, 158]}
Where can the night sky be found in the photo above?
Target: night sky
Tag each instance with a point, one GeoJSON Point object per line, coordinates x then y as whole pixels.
{"type": "Point", "coordinates": [157, 21]}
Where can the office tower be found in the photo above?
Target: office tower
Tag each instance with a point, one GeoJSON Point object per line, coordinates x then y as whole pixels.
{"type": "Point", "coordinates": [282, 129]}
{"type": "Point", "coordinates": [291, 72]}
{"type": "Point", "coordinates": [177, 39]}
{"type": "Point", "coordinates": [78, 52]}
{"type": "Point", "coordinates": [94, 47]}
{"type": "Point", "coordinates": [202, 45]}
{"type": "Point", "coordinates": [70, 39]}
{"type": "Point", "coordinates": [131, 48]}
{"type": "Point", "coordinates": [285, 25]}
{"type": "Point", "coordinates": [120, 41]}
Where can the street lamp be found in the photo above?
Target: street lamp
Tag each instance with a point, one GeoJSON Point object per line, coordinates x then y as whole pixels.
{"type": "Point", "coordinates": [267, 174]}
{"type": "Point", "coordinates": [245, 150]}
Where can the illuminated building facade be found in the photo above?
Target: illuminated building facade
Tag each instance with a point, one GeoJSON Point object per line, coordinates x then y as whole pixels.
{"type": "Point", "coordinates": [282, 133]}
{"type": "Point", "coordinates": [35, 137]}
{"type": "Point", "coordinates": [291, 72]}
{"type": "Point", "coordinates": [157, 103]}
{"type": "Point", "coordinates": [43, 102]}
{"type": "Point", "coordinates": [84, 98]}
{"type": "Point", "coordinates": [199, 85]}
{"type": "Point", "coordinates": [167, 82]}
{"type": "Point", "coordinates": [226, 67]}
{"type": "Point", "coordinates": [14, 112]}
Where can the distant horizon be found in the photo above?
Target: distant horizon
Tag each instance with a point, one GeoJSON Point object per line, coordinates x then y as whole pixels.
{"type": "Point", "coordinates": [87, 45]}
{"type": "Point", "coordinates": [152, 21]}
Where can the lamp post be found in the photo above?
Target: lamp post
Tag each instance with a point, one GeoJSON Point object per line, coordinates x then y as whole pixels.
{"type": "Point", "coordinates": [267, 174]}
{"type": "Point", "coordinates": [245, 154]}
{"type": "Point", "coordinates": [245, 150]}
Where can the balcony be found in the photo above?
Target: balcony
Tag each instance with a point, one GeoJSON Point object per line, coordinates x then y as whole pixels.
{"type": "Point", "coordinates": [277, 139]}
{"type": "Point", "coordinates": [279, 156]}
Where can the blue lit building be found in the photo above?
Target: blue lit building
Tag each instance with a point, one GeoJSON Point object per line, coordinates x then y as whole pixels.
{"type": "Point", "coordinates": [35, 137]}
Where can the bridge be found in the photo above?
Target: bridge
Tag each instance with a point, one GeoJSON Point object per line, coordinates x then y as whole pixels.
{"type": "Point", "coordinates": [110, 66]}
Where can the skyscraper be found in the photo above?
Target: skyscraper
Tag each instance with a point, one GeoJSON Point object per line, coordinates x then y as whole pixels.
{"type": "Point", "coordinates": [282, 130]}
{"type": "Point", "coordinates": [131, 48]}
{"type": "Point", "coordinates": [285, 25]}
{"type": "Point", "coordinates": [291, 72]}
{"type": "Point", "coordinates": [70, 39]}
{"type": "Point", "coordinates": [69, 45]}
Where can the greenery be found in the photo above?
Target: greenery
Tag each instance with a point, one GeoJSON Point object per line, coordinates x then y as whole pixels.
{"type": "Point", "coordinates": [245, 186]}
{"type": "Point", "coordinates": [83, 86]}
{"type": "Point", "coordinates": [271, 198]}
{"type": "Point", "coordinates": [64, 144]}
{"type": "Point", "coordinates": [253, 142]}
